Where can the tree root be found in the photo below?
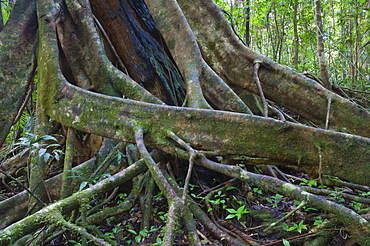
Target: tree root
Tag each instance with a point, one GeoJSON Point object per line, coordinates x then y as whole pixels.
{"type": "Point", "coordinates": [175, 204]}
{"type": "Point", "coordinates": [355, 223]}
{"type": "Point", "coordinates": [27, 225]}
{"type": "Point", "coordinates": [106, 72]}
{"type": "Point", "coordinates": [198, 75]}
{"type": "Point", "coordinates": [277, 79]}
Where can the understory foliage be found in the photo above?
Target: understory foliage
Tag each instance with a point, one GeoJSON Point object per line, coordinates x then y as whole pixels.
{"type": "Point", "coordinates": [181, 122]}
{"type": "Point", "coordinates": [286, 32]}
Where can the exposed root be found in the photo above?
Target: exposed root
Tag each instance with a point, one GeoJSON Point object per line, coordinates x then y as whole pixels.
{"type": "Point", "coordinates": [186, 54]}
{"type": "Point", "coordinates": [111, 46]}
{"type": "Point", "coordinates": [256, 64]}
{"type": "Point", "coordinates": [328, 113]}
{"type": "Point", "coordinates": [176, 205]}
{"type": "Point", "coordinates": [68, 160]}
{"type": "Point", "coordinates": [356, 224]}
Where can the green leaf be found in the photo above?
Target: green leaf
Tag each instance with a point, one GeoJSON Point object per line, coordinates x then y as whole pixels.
{"type": "Point", "coordinates": [230, 188]}
{"type": "Point", "coordinates": [42, 152]}
{"type": "Point", "coordinates": [286, 242]}
{"type": "Point", "coordinates": [53, 145]}
{"type": "Point", "coordinates": [37, 145]}
{"type": "Point", "coordinates": [138, 239]}
{"type": "Point", "coordinates": [230, 216]}
{"type": "Point", "coordinates": [143, 233]}
{"type": "Point", "coordinates": [277, 196]}
{"type": "Point", "coordinates": [132, 231]}
{"type": "Point", "coordinates": [46, 137]}
{"type": "Point", "coordinates": [231, 210]}
{"type": "Point", "coordinates": [291, 228]}
{"type": "Point", "coordinates": [241, 209]}
{"type": "Point", "coordinates": [24, 151]}
{"type": "Point", "coordinates": [46, 157]}
{"type": "Point", "coordinates": [83, 185]}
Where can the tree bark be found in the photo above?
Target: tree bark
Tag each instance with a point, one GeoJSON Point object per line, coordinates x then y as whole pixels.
{"type": "Point", "coordinates": [247, 23]}
{"type": "Point", "coordinates": [94, 78]}
{"type": "Point", "coordinates": [295, 34]}
{"type": "Point", "coordinates": [280, 84]}
{"type": "Point", "coordinates": [17, 61]}
{"type": "Point", "coordinates": [320, 46]}
{"type": "Point", "coordinates": [1, 18]}
{"type": "Point", "coordinates": [226, 132]}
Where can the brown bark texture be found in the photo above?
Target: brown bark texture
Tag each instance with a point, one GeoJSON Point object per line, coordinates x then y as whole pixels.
{"type": "Point", "coordinates": [174, 79]}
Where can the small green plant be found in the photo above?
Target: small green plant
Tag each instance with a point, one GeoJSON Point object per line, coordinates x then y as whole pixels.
{"type": "Point", "coordinates": [192, 188]}
{"type": "Point", "coordinates": [365, 194]}
{"type": "Point", "coordinates": [75, 242]}
{"type": "Point", "coordinates": [299, 227]}
{"type": "Point", "coordinates": [276, 200]}
{"type": "Point", "coordinates": [230, 188]}
{"type": "Point", "coordinates": [109, 219]}
{"type": "Point", "coordinates": [86, 180]}
{"type": "Point", "coordinates": [37, 146]}
{"type": "Point", "coordinates": [319, 220]}
{"type": "Point", "coordinates": [311, 183]}
{"type": "Point", "coordinates": [324, 187]}
{"type": "Point", "coordinates": [237, 213]}
{"type": "Point", "coordinates": [119, 155]}
{"type": "Point", "coordinates": [141, 235]}
{"type": "Point", "coordinates": [121, 197]}
{"type": "Point", "coordinates": [335, 195]}
{"type": "Point", "coordinates": [219, 198]}
{"type": "Point", "coordinates": [158, 241]}
{"type": "Point", "coordinates": [158, 197]}
{"type": "Point", "coordinates": [356, 205]}
{"type": "Point", "coordinates": [162, 215]}
{"type": "Point", "coordinates": [277, 196]}
{"type": "Point", "coordinates": [95, 180]}
{"type": "Point", "coordinates": [257, 190]}
{"type": "Point", "coordinates": [114, 231]}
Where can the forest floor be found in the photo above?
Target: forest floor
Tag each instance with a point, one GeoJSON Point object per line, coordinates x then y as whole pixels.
{"type": "Point", "coordinates": [243, 211]}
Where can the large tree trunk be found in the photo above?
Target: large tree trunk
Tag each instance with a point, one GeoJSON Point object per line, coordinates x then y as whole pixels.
{"type": "Point", "coordinates": [125, 70]}
{"type": "Point", "coordinates": [17, 61]}
{"type": "Point", "coordinates": [320, 46]}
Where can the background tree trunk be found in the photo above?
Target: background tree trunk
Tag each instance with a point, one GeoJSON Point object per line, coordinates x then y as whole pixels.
{"type": "Point", "coordinates": [296, 37]}
{"type": "Point", "coordinates": [320, 46]}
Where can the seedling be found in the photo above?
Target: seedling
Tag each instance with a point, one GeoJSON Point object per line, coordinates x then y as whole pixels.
{"type": "Point", "coordinates": [299, 227]}
{"type": "Point", "coordinates": [311, 183]}
{"type": "Point", "coordinates": [237, 213]}
{"type": "Point", "coordinates": [257, 190]}
{"type": "Point", "coordinates": [274, 202]}
{"type": "Point", "coordinates": [319, 220]}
